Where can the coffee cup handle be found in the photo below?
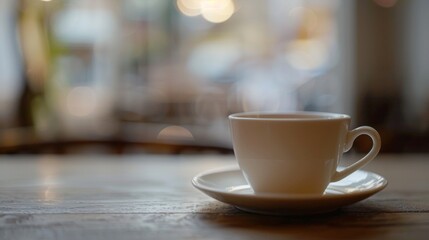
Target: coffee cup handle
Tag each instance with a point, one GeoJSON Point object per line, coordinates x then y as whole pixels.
{"type": "Point", "coordinates": [351, 136]}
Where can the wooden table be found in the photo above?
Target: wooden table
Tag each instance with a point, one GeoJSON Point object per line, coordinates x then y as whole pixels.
{"type": "Point", "coordinates": [151, 197]}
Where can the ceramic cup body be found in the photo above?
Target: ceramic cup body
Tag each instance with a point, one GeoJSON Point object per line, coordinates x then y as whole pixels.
{"type": "Point", "coordinates": [295, 153]}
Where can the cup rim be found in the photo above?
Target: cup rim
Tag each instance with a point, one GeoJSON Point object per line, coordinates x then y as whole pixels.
{"type": "Point", "coordinates": [289, 116]}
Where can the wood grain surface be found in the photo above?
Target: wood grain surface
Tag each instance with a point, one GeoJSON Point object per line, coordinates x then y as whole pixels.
{"type": "Point", "coordinates": [151, 197]}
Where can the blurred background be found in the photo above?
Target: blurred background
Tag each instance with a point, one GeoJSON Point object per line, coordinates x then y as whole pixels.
{"type": "Point", "coordinates": [161, 76]}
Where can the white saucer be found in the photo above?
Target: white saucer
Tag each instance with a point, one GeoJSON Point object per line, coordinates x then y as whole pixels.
{"type": "Point", "coordinates": [229, 186]}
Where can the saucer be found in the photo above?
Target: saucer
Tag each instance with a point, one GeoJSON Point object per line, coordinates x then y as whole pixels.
{"type": "Point", "coordinates": [228, 185]}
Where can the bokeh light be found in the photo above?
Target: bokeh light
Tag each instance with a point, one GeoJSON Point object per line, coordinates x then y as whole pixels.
{"type": "Point", "coordinates": [189, 8]}
{"type": "Point", "coordinates": [175, 133]}
{"type": "Point", "coordinates": [215, 11]}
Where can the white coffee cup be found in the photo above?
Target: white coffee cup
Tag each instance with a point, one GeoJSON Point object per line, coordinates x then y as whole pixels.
{"type": "Point", "coordinates": [295, 153]}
